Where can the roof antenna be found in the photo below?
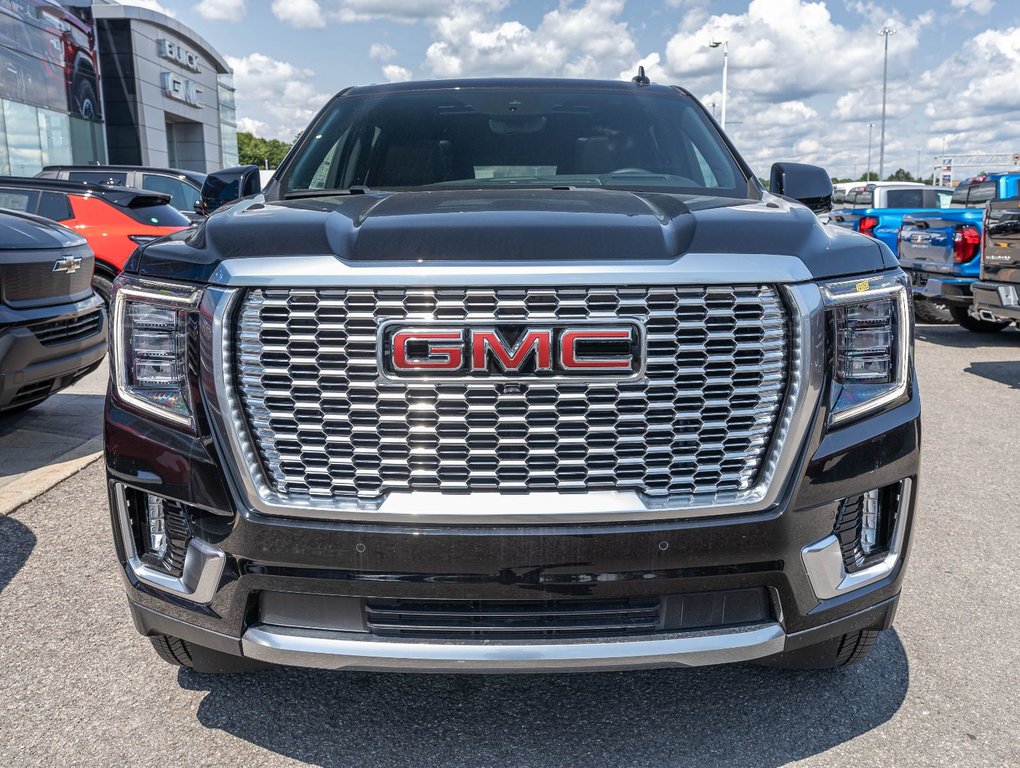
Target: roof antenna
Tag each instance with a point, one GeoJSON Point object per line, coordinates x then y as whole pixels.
{"type": "Point", "coordinates": [640, 78]}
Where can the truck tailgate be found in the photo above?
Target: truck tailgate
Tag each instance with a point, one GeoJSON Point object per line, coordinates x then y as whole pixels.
{"type": "Point", "coordinates": [926, 241]}
{"type": "Point", "coordinates": [1001, 257]}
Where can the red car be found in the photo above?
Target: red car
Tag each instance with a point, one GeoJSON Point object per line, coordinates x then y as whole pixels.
{"type": "Point", "coordinates": [114, 220]}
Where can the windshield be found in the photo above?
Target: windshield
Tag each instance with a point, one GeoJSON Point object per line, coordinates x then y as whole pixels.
{"type": "Point", "coordinates": [479, 137]}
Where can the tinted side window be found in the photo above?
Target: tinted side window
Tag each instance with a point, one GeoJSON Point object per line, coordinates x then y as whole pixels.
{"type": "Point", "coordinates": [183, 195]}
{"type": "Point", "coordinates": [982, 193]}
{"type": "Point", "coordinates": [99, 177]}
{"type": "Point", "coordinates": [960, 194]}
{"type": "Point", "coordinates": [56, 206]}
{"type": "Point", "coordinates": [904, 198]}
{"type": "Point", "coordinates": [22, 200]}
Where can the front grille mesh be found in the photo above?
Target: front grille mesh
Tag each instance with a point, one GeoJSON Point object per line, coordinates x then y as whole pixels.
{"type": "Point", "coordinates": [510, 620]}
{"type": "Point", "coordinates": [327, 427]}
{"type": "Point", "coordinates": [54, 332]}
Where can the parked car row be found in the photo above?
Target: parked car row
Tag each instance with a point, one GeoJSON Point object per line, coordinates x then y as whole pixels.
{"type": "Point", "coordinates": [64, 237]}
{"type": "Point", "coordinates": [940, 237]}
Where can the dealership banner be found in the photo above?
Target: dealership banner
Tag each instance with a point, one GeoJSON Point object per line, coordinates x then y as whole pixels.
{"type": "Point", "coordinates": [47, 57]}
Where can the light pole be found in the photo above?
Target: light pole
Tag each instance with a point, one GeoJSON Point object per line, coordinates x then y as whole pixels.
{"type": "Point", "coordinates": [867, 171]}
{"type": "Point", "coordinates": [725, 71]}
{"type": "Point", "coordinates": [886, 33]}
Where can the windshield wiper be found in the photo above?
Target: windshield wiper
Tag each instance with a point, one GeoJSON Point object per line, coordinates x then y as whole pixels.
{"type": "Point", "coordinates": [299, 193]}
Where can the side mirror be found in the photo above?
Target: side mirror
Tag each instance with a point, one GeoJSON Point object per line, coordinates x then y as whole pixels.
{"type": "Point", "coordinates": [226, 186]}
{"type": "Point", "coordinates": [807, 184]}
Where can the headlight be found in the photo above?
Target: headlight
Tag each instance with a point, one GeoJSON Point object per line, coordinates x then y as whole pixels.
{"type": "Point", "coordinates": [150, 346]}
{"type": "Point", "coordinates": [871, 328]}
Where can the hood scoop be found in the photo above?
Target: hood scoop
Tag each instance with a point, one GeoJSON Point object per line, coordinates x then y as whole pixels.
{"type": "Point", "coordinates": [513, 225]}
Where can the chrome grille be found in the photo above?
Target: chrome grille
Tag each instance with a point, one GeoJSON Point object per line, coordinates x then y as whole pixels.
{"type": "Point", "coordinates": [697, 426]}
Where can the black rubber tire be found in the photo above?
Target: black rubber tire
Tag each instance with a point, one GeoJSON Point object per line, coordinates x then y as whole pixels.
{"type": "Point", "coordinates": [962, 317]}
{"type": "Point", "coordinates": [927, 311]}
{"type": "Point", "coordinates": [181, 653]}
{"type": "Point", "coordinates": [172, 650]}
{"type": "Point", "coordinates": [831, 654]}
{"type": "Point", "coordinates": [102, 285]}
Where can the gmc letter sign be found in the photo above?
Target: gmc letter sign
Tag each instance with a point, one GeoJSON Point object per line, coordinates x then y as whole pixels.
{"type": "Point", "coordinates": [511, 351]}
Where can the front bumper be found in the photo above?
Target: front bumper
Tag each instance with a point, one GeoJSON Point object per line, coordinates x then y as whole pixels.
{"type": "Point", "coordinates": [31, 370]}
{"type": "Point", "coordinates": [251, 553]}
{"type": "Point", "coordinates": [1001, 300]}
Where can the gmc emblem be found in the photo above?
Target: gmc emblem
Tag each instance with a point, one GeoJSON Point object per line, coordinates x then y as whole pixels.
{"type": "Point", "coordinates": [511, 351]}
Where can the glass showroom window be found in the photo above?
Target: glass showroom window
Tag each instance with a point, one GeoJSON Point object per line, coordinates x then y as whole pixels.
{"type": "Point", "coordinates": [5, 160]}
{"type": "Point", "coordinates": [55, 133]}
{"type": "Point", "coordinates": [23, 145]}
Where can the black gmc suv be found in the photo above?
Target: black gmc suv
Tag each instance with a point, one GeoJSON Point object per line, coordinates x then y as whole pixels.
{"type": "Point", "coordinates": [52, 326]}
{"type": "Point", "coordinates": [514, 375]}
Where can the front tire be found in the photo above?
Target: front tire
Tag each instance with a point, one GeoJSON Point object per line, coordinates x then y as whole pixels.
{"type": "Point", "coordinates": [187, 655]}
{"type": "Point", "coordinates": [830, 654]}
{"type": "Point", "coordinates": [963, 317]}
{"type": "Point", "coordinates": [927, 311]}
{"type": "Point", "coordinates": [103, 287]}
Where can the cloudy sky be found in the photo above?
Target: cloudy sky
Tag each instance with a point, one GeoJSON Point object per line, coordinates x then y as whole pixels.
{"type": "Point", "coordinates": [805, 77]}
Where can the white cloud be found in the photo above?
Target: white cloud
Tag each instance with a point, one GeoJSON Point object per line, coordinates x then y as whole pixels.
{"type": "Point", "coordinates": [222, 10]}
{"type": "Point", "coordinates": [251, 125]}
{"type": "Point", "coordinates": [152, 5]}
{"type": "Point", "coordinates": [396, 74]}
{"type": "Point", "coordinates": [785, 49]}
{"type": "Point", "coordinates": [302, 14]}
{"type": "Point", "coordinates": [382, 52]}
{"type": "Point", "coordinates": [278, 92]}
{"type": "Point", "coordinates": [982, 78]}
{"type": "Point", "coordinates": [982, 7]}
{"type": "Point", "coordinates": [574, 40]}
{"type": "Point", "coordinates": [393, 10]}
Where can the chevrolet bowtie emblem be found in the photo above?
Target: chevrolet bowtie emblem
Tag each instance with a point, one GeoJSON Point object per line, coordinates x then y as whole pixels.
{"type": "Point", "coordinates": [68, 264]}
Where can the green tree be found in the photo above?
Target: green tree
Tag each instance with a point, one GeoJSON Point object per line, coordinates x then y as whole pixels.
{"type": "Point", "coordinates": [265, 153]}
{"type": "Point", "coordinates": [901, 174]}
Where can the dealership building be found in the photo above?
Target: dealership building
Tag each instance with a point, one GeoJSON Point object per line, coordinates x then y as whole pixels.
{"type": "Point", "coordinates": [110, 83]}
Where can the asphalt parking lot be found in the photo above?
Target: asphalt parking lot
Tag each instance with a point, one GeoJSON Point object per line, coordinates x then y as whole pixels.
{"type": "Point", "coordinates": [81, 688]}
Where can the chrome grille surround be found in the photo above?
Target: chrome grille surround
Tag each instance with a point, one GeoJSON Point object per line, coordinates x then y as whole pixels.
{"type": "Point", "coordinates": [239, 455]}
{"type": "Point", "coordinates": [629, 443]}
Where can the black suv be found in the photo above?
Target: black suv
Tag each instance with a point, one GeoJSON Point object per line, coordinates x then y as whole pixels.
{"type": "Point", "coordinates": [52, 326]}
{"type": "Point", "coordinates": [514, 375]}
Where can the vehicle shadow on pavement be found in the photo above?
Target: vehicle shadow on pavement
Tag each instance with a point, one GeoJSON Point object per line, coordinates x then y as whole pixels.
{"type": "Point", "coordinates": [1005, 372]}
{"type": "Point", "coordinates": [16, 544]}
{"type": "Point", "coordinates": [961, 338]}
{"type": "Point", "coordinates": [729, 716]}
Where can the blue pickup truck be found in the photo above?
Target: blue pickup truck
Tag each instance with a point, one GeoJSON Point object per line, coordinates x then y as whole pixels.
{"type": "Point", "coordinates": [878, 209]}
{"type": "Point", "coordinates": [941, 250]}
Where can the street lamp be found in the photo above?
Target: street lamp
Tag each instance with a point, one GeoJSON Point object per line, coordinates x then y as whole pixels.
{"type": "Point", "coordinates": [867, 171]}
{"type": "Point", "coordinates": [725, 69]}
{"type": "Point", "coordinates": [886, 33]}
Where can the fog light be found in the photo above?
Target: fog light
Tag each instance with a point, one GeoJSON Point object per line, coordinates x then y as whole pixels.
{"type": "Point", "coordinates": [870, 518]}
{"type": "Point", "coordinates": [864, 525]}
{"type": "Point", "coordinates": [156, 516]}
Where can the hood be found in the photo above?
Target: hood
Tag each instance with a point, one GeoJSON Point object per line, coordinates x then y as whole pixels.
{"type": "Point", "coordinates": [511, 226]}
{"type": "Point", "coordinates": [25, 232]}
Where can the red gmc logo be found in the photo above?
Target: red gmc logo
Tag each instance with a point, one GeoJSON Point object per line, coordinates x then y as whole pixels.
{"type": "Point", "coordinates": [508, 350]}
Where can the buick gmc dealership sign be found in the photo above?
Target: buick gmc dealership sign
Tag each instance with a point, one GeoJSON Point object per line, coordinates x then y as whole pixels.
{"type": "Point", "coordinates": [176, 52]}
{"type": "Point", "coordinates": [176, 86]}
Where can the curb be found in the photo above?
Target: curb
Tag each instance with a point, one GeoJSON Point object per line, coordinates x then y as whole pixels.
{"type": "Point", "coordinates": [38, 481]}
